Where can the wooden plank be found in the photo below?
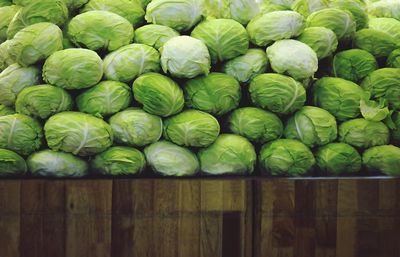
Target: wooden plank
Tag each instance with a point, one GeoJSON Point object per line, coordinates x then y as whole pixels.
{"type": "Point", "coordinates": [274, 223]}
{"type": "Point", "coordinates": [181, 218]}
{"type": "Point", "coordinates": [329, 218]}
{"type": "Point", "coordinates": [102, 218]}
{"type": "Point", "coordinates": [42, 218]}
{"type": "Point", "coordinates": [88, 218]}
{"type": "Point", "coordinates": [9, 218]}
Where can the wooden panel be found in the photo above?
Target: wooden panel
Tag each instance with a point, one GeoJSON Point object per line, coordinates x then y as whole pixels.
{"type": "Point", "coordinates": [181, 218]}
{"type": "Point", "coordinates": [327, 218]}
{"type": "Point", "coordinates": [9, 218]}
{"type": "Point", "coordinates": [200, 218]}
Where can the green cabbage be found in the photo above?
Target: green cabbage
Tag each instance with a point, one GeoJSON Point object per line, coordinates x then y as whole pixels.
{"type": "Point", "coordinates": [73, 68]}
{"type": "Point", "coordinates": [273, 26]}
{"type": "Point", "coordinates": [77, 133]}
{"type": "Point", "coordinates": [119, 160]}
{"type": "Point", "coordinates": [245, 67]}
{"type": "Point", "coordinates": [192, 128]}
{"type": "Point", "coordinates": [294, 58]}
{"type": "Point", "coordinates": [20, 133]}
{"type": "Point", "coordinates": [313, 126]}
{"type": "Point", "coordinates": [169, 159]}
{"type": "Point", "coordinates": [129, 62]}
{"type": "Point", "coordinates": [225, 39]}
{"type": "Point", "coordinates": [385, 158]}
{"type": "Point", "coordinates": [277, 93]}
{"type": "Point", "coordinates": [229, 154]}
{"type": "Point", "coordinates": [136, 127]}
{"type": "Point", "coordinates": [217, 93]}
{"type": "Point", "coordinates": [338, 158]}
{"type": "Point", "coordinates": [43, 101]}
{"type": "Point", "coordinates": [286, 157]}
{"type": "Point", "coordinates": [100, 30]}
{"type": "Point", "coordinates": [185, 57]}
{"type": "Point", "coordinates": [11, 163]}
{"type": "Point", "coordinates": [255, 124]}
{"type": "Point", "coordinates": [158, 94]}
{"type": "Point", "coordinates": [49, 163]}
{"type": "Point", "coordinates": [363, 133]}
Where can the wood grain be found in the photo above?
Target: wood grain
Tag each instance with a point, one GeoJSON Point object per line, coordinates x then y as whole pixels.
{"type": "Point", "coordinates": [327, 218]}
{"type": "Point", "coordinates": [200, 218]}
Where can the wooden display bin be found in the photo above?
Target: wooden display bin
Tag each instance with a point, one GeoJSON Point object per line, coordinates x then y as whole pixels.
{"type": "Point", "coordinates": [252, 217]}
{"type": "Point", "coordinates": [125, 218]}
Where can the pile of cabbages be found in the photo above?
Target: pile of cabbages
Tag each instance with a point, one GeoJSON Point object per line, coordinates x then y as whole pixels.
{"type": "Point", "coordinates": [209, 87]}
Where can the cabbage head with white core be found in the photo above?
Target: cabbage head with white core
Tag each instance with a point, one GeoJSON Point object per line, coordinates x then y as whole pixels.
{"type": "Point", "coordinates": [192, 128]}
{"type": "Point", "coordinates": [119, 160]}
{"type": "Point", "coordinates": [135, 127]}
{"type": "Point", "coordinates": [158, 94]}
{"type": "Point", "coordinates": [52, 11]}
{"type": "Point", "coordinates": [362, 133]}
{"type": "Point", "coordinates": [181, 15]}
{"type": "Point", "coordinates": [255, 124]}
{"type": "Point", "coordinates": [277, 93]}
{"type": "Point", "coordinates": [217, 93]}
{"type": "Point", "coordinates": [131, 61]}
{"type": "Point", "coordinates": [225, 38]}
{"type": "Point", "coordinates": [11, 163]}
{"type": "Point", "coordinates": [185, 57]}
{"type": "Point", "coordinates": [74, 68]}
{"type": "Point", "coordinates": [245, 67]}
{"type": "Point", "coordinates": [339, 97]}
{"type": "Point", "coordinates": [339, 21]}
{"type": "Point", "coordinates": [48, 163]}
{"type": "Point", "coordinates": [354, 64]}
{"type": "Point", "coordinates": [14, 79]}
{"type": "Point", "coordinates": [338, 159]}
{"type": "Point", "coordinates": [168, 159]}
{"type": "Point", "coordinates": [293, 58]}
{"type": "Point", "coordinates": [154, 35]}
{"type": "Point", "coordinates": [286, 157]}
{"type": "Point", "coordinates": [385, 159]}
{"type": "Point", "coordinates": [100, 30]}
{"type": "Point", "coordinates": [106, 98]}
{"type": "Point", "coordinates": [229, 154]}
{"type": "Point", "coordinates": [43, 101]}
{"type": "Point", "coordinates": [35, 43]}
{"type": "Point", "coordinates": [273, 26]}
{"type": "Point", "coordinates": [20, 133]}
{"type": "Point", "coordinates": [313, 126]}
{"type": "Point", "coordinates": [78, 133]}
{"type": "Point", "coordinates": [130, 10]}
{"type": "Point", "coordinates": [384, 83]}
{"type": "Point", "coordinates": [322, 40]}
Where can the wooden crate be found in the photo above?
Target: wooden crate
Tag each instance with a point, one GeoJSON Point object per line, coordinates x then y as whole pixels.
{"type": "Point", "coordinates": [327, 218]}
{"type": "Point", "coordinates": [200, 218]}
{"type": "Point", "coordinates": [104, 218]}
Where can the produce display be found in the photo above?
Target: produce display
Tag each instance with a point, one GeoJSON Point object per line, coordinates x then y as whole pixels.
{"type": "Point", "coordinates": [199, 87]}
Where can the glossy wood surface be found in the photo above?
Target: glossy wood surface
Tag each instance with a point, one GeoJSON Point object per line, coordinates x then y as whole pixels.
{"type": "Point", "coordinates": [205, 218]}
